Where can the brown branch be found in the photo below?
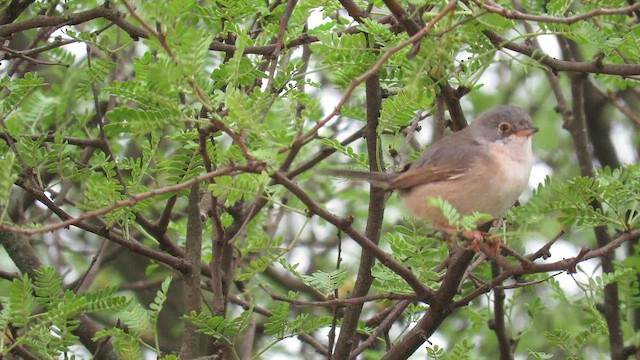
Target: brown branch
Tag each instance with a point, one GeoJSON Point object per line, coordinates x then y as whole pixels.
{"type": "Point", "coordinates": [354, 10]}
{"type": "Point", "coordinates": [236, 137]}
{"type": "Point", "coordinates": [11, 10]}
{"type": "Point", "coordinates": [494, 8]}
{"type": "Point", "coordinates": [134, 199]}
{"type": "Point", "coordinates": [25, 258]}
{"type": "Point", "coordinates": [159, 230]}
{"type": "Point", "coordinates": [440, 308]}
{"type": "Point", "coordinates": [384, 326]}
{"type": "Point", "coordinates": [527, 283]}
{"type": "Point", "coordinates": [52, 45]}
{"type": "Point", "coordinates": [303, 39]}
{"type": "Point", "coordinates": [80, 142]}
{"type": "Point", "coordinates": [284, 23]}
{"type": "Point", "coordinates": [577, 127]}
{"type": "Point", "coordinates": [338, 303]}
{"type": "Point", "coordinates": [613, 99]}
{"type": "Point", "coordinates": [21, 55]}
{"type": "Point", "coordinates": [292, 283]}
{"type": "Point", "coordinates": [191, 284]}
{"type": "Point", "coordinates": [423, 292]}
{"type": "Point", "coordinates": [347, 338]}
{"type": "Point", "coordinates": [557, 65]}
{"type": "Point", "coordinates": [544, 251]}
{"type": "Point", "coordinates": [315, 344]}
{"type": "Point", "coordinates": [73, 19]}
{"type": "Point", "coordinates": [176, 263]}
{"type": "Point", "coordinates": [452, 98]}
{"type": "Point", "coordinates": [402, 16]}
{"type": "Point", "coordinates": [561, 265]}
{"type": "Point", "coordinates": [324, 153]}
{"type": "Point", "coordinates": [497, 324]}
{"type": "Point", "coordinates": [23, 353]}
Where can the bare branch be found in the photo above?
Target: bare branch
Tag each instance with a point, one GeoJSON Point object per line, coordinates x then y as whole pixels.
{"type": "Point", "coordinates": [338, 303]}
{"type": "Point", "coordinates": [134, 199]}
{"type": "Point", "coordinates": [73, 19]}
{"type": "Point", "coordinates": [557, 65]}
{"type": "Point", "coordinates": [494, 8]}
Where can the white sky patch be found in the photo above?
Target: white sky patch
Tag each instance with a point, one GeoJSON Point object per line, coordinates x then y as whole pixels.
{"type": "Point", "coordinates": [79, 49]}
{"type": "Point", "coordinates": [539, 172]}
{"type": "Point", "coordinates": [623, 143]}
{"type": "Point", "coordinates": [316, 18]}
{"type": "Point", "coordinates": [549, 45]}
{"type": "Point", "coordinates": [563, 249]}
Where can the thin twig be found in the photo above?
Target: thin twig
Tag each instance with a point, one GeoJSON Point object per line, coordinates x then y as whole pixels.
{"type": "Point", "coordinates": [337, 303]}
{"type": "Point", "coordinates": [494, 8]}
{"type": "Point", "coordinates": [134, 199]}
{"type": "Point", "coordinates": [397, 311]}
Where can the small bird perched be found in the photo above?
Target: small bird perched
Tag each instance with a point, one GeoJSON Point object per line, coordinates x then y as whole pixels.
{"type": "Point", "coordinates": [481, 168]}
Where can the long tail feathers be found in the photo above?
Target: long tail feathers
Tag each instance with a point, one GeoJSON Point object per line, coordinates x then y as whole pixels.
{"type": "Point", "coordinates": [380, 179]}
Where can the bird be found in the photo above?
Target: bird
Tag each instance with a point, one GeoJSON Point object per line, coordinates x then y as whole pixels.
{"type": "Point", "coordinates": [482, 168]}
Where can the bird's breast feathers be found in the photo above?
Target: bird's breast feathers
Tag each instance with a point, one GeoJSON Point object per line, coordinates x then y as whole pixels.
{"type": "Point", "coordinates": [513, 159]}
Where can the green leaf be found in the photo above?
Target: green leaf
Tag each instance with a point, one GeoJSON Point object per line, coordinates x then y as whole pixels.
{"type": "Point", "coordinates": [326, 282]}
{"type": "Point", "coordinates": [7, 162]}
{"type": "Point", "coordinates": [21, 301]}
{"type": "Point", "coordinates": [558, 7]}
{"type": "Point", "coordinates": [47, 284]}
{"type": "Point", "coordinates": [139, 121]}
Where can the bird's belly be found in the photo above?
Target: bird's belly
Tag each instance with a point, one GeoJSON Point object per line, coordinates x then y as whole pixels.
{"type": "Point", "coordinates": [472, 198]}
{"type": "Point", "coordinates": [492, 195]}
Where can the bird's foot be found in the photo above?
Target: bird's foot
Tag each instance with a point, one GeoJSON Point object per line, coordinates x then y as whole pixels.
{"type": "Point", "coordinates": [474, 239]}
{"type": "Point", "coordinates": [480, 241]}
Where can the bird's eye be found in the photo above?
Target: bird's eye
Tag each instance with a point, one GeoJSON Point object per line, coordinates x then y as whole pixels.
{"type": "Point", "coordinates": [504, 127]}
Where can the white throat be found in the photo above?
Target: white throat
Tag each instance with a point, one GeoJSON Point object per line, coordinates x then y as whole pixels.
{"type": "Point", "coordinates": [514, 158]}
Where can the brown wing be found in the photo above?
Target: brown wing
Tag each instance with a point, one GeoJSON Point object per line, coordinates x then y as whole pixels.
{"type": "Point", "coordinates": [422, 175]}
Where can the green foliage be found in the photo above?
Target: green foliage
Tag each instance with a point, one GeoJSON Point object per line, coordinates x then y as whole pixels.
{"type": "Point", "coordinates": [185, 163]}
{"type": "Point", "coordinates": [462, 350]}
{"type": "Point", "coordinates": [410, 245]}
{"type": "Point", "coordinates": [346, 54]}
{"type": "Point", "coordinates": [572, 343]}
{"type": "Point", "coordinates": [572, 202]}
{"type": "Point", "coordinates": [326, 282]}
{"type": "Point", "coordinates": [457, 221]}
{"type": "Point", "coordinates": [7, 162]}
{"type": "Point", "coordinates": [361, 158]}
{"type": "Point", "coordinates": [18, 91]}
{"type": "Point", "coordinates": [139, 323]}
{"type": "Point", "coordinates": [280, 326]}
{"type": "Point", "coordinates": [398, 111]}
{"type": "Point", "coordinates": [263, 251]}
{"type": "Point", "coordinates": [42, 318]}
{"type": "Point", "coordinates": [540, 355]}
{"type": "Point", "coordinates": [219, 327]}
{"type": "Point", "coordinates": [127, 114]}
{"type": "Point", "coordinates": [96, 74]}
{"type": "Point", "coordinates": [138, 121]}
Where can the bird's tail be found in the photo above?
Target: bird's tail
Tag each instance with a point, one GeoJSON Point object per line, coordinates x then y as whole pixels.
{"type": "Point", "coordinates": [379, 179]}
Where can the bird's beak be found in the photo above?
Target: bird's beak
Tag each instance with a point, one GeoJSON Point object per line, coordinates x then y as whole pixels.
{"type": "Point", "coordinates": [527, 132]}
